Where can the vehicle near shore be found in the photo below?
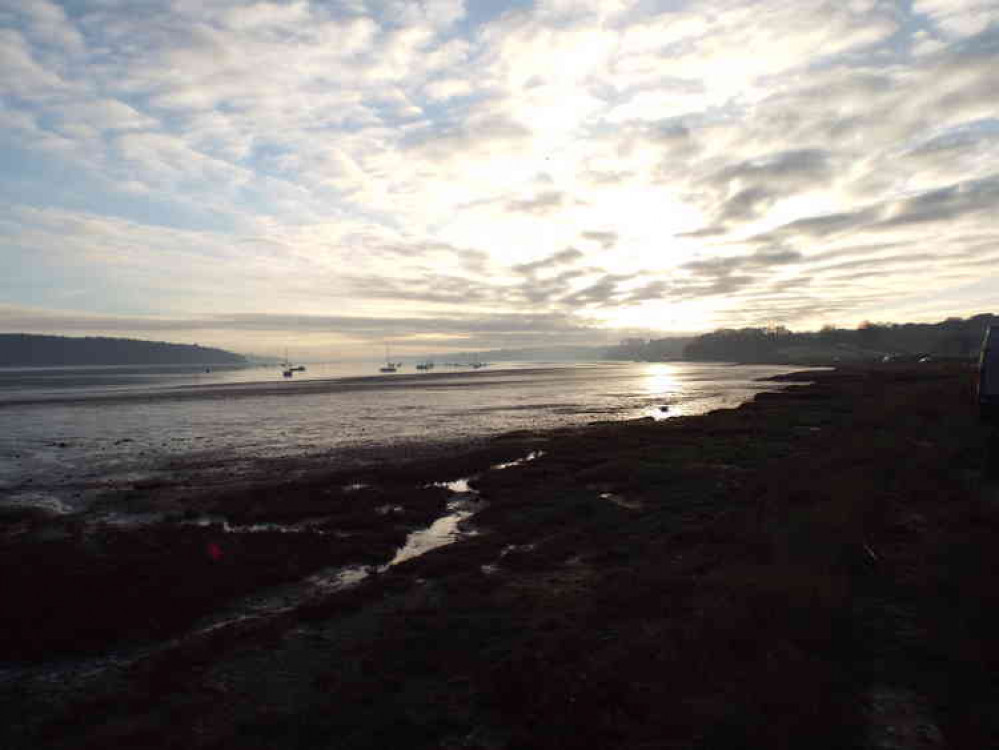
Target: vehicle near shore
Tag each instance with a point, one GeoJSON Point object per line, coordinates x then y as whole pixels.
{"type": "Point", "coordinates": [988, 375]}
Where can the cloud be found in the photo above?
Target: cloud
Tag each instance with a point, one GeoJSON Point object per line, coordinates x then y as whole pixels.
{"type": "Point", "coordinates": [562, 257]}
{"type": "Point", "coordinates": [973, 197]}
{"type": "Point", "coordinates": [541, 203]}
{"type": "Point", "coordinates": [440, 159]}
{"type": "Point", "coordinates": [600, 293]}
{"type": "Point", "coordinates": [451, 333]}
{"type": "Point", "coordinates": [746, 190]}
{"type": "Point", "coordinates": [606, 240]}
{"type": "Point", "coordinates": [761, 259]}
{"type": "Point", "coordinates": [959, 17]}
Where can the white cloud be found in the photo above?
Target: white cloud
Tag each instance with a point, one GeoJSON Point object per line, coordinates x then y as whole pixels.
{"type": "Point", "coordinates": [20, 72]}
{"type": "Point", "coordinates": [959, 17]}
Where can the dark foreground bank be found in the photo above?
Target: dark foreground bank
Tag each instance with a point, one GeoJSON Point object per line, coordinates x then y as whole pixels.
{"type": "Point", "coordinates": [815, 569]}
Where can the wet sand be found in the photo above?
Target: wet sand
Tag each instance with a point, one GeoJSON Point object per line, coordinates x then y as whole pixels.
{"type": "Point", "coordinates": [814, 569]}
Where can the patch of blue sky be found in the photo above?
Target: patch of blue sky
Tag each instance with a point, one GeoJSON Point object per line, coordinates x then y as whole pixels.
{"type": "Point", "coordinates": [45, 277]}
{"type": "Point", "coordinates": [964, 134]}
{"type": "Point", "coordinates": [35, 179]}
{"type": "Point", "coordinates": [482, 12]}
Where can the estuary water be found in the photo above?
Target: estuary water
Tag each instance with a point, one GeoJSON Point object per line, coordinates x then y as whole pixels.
{"type": "Point", "coordinates": [70, 434]}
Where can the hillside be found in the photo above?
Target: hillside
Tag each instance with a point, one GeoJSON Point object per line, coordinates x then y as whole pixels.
{"type": "Point", "coordinates": [27, 350]}
{"type": "Point", "coordinates": [954, 338]}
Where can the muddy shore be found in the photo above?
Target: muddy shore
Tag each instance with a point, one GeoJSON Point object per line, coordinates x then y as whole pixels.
{"type": "Point", "coordinates": [814, 569]}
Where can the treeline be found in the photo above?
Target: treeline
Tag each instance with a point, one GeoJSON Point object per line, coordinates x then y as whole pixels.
{"type": "Point", "coordinates": [645, 350]}
{"type": "Point", "coordinates": [28, 350]}
{"type": "Point", "coordinates": [952, 338]}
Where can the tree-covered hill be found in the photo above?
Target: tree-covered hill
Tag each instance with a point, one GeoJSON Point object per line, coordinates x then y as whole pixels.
{"type": "Point", "coordinates": [952, 338]}
{"type": "Point", "coordinates": [28, 350]}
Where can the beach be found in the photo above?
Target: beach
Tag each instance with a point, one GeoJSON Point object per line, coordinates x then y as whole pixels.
{"type": "Point", "coordinates": [812, 569]}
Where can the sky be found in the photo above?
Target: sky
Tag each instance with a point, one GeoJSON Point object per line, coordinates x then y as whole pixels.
{"type": "Point", "coordinates": [443, 175]}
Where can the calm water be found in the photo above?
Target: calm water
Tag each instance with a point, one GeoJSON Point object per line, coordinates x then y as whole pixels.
{"type": "Point", "coordinates": [70, 433]}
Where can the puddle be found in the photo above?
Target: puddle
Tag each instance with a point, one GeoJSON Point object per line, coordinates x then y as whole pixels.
{"type": "Point", "coordinates": [445, 530]}
{"type": "Point", "coordinates": [128, 520]}
{"type": "Point", "coordinates": [37, 500]}
{"type": "Point", "coordinates": [458, 486]}
{"type": "Point", "coordinates": [532, 456]}
{"type": "Point", "coordinates": [277, 600]}
{"type": "Point", "coordinates": [621, 501]}
{"type": "Point", "coordinates": [328, 582]}
{"type": "Point", "coordinates": [257, 528]}
{"type": "Point", "coordinates": [661, 413]}
{"type": "Point", "coordinates": [462, 487]}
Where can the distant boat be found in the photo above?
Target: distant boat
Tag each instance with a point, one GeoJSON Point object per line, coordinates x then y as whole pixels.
{"type": "Point", "coordinates": [287, 369]}
{"type": "Point", "coordinates": [389, 366]}
{"type": "Point", "coordinates": [428, 365]}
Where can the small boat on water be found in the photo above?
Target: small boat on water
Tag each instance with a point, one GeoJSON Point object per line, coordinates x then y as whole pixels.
{"type": "Point", "coordinates": [389, 365]}
{"type": "Point", "coordinates": [428, 365]}
{"type": "Point", "coordinates": [288, 369]}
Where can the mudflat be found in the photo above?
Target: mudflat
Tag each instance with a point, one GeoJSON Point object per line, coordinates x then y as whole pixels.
{"type": "Point", "coordinates": [813, 569]}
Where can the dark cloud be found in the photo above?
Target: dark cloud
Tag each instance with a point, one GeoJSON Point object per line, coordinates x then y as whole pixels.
{"type": "Point", "coordinates": [750, 188]}
{"type": "Point", "coordinates": [652, 290]}
{"type": "Point", "coordinates": [969, 198]}
{"type": "Point", "coordinates": [791, 167]}
{"type": "Point", "coordinates": [600, 293]}
{"type": "Point", "coordinates": [712, 231]}
{"type": "Point", "coordinates": [945, 204]}
{"type": "Point", "coordinates": [795, 282]}
{"type": "Point", "coordinates": [747, 204]}
{"type": "Point", "coordinates": [536, 290]}
{"type": "Point", "coordinates": [561, 258]}
{"type": "Point", "coordinates": [724, 275]}
{"type": "Point", "coordinates": [761, 259]}
{"type": "Point", "coordinates": [429, 287]}
{"type": "Point", "coordinates": [821, 226]}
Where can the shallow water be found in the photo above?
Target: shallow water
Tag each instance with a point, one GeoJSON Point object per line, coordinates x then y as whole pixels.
{"type": "Point", "coordinates": [71, 434]}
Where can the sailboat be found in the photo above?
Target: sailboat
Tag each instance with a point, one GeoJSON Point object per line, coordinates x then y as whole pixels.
{"type": "Point", "coordinates": [390, 366]}
{"type": "Point", "coordinates": [287, 368]}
